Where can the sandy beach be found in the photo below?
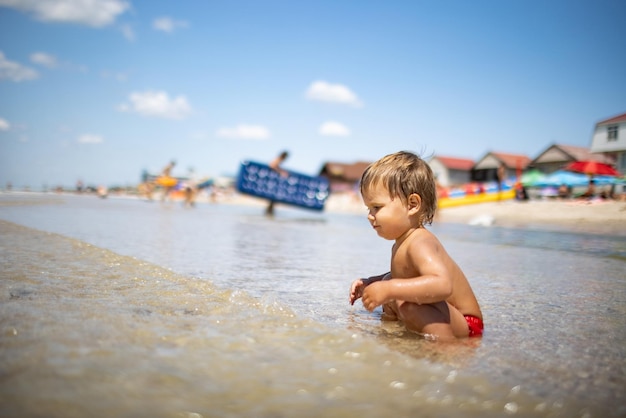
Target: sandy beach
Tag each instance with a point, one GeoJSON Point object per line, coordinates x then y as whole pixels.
{"type": "Point", "coordinates": [604, 217]}
{"type": "Point", "coordinates": [592, 217]}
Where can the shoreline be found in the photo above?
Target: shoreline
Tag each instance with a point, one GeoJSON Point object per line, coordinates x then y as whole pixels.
{"type": "Point", "coordinates": [593, 217]}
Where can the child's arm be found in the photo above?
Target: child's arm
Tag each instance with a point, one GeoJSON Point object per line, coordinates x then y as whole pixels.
{"type": "Point", "coordinates": [356, 290]}
{"type": "Point", "coordinates": [421, 290]}
{"type": "Point", "coordinates": [433, 284]}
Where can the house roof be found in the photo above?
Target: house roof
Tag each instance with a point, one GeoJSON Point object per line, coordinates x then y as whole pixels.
{"type": "Point", "coordinates": [582, 153]}
{"type": "Point", "coordinates": [512, 160]}
{"type": "Point", "coordinates": [348, 172]}
{"type": "Point", "coordinates": [614, 119]}
{"type": "Point", "coordinates": [567, 153]}
{"type": "Point", "coordinates": [454, 163]}
{"type": "Point", "coordinates": [577, 153]}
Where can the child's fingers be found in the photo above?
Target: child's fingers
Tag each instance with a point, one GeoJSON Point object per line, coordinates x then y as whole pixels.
{"type": "Point", "coordinates": [354, 292]}
{"type": "Point", "coordinates": [353, 297]}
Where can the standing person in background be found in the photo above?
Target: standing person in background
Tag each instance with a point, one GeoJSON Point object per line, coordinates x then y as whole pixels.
{"type": "Point", "coordinates": [275, 165]}
{"type": "Point", "coordinates": [167, 170]}
{"type": "Point", "coordinates": [147, 185]}
{"type": "Point", "coordinates": [166, 173]}
{"type": "Point", "coordinates": [102, 191]}
{"type": "Point", "coordinates": [501, 174]}
{"type": "Point", "coordinates": [191, 189]}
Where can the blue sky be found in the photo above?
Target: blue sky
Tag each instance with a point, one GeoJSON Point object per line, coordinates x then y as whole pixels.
{"type": "Point", "coordinates": [99, 91]}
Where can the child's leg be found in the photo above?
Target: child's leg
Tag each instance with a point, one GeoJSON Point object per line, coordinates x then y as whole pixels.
{"type": "Point", "coordinates": [440, 319]}
{"type": "Point", "coordinates": [389, 312]}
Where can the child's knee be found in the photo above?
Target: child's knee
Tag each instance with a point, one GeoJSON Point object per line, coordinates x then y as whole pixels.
{"type": "Point", "coordinates": [389, 312]}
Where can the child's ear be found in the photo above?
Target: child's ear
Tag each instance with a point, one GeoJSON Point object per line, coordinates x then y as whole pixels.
{"type": "Point", "coordinates": [415, 202]}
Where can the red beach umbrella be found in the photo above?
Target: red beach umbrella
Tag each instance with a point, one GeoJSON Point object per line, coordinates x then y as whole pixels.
{"type": "Point", "coordinates": [594, 168]}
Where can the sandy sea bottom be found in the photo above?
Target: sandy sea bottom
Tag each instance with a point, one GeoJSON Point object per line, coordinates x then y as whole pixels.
{"type": "Point", "coordinates": [219, 311]}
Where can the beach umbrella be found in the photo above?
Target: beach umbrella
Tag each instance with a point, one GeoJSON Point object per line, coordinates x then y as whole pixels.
{"type": "Point", "coordinates": [592, 168]}
{"type": "Point", "coordinates": [567, 178]}
{"type": "Point", "coordinates": [532, 178]}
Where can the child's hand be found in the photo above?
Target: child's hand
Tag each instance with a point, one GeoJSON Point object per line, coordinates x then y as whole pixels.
{"type": "Point", "coordinates": [356, 290]}
{"type": "Point", "coordinates": [375, 295]}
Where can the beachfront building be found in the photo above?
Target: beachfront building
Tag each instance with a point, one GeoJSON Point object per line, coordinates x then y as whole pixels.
{"type": "Point", "coordinates": [557, 156]}
{"type": "Point", "coordinates": [451, 171]}
{"type": "Point", "coordinates": [343, 177]}
{"type": "Point", "coordinates": [609, 140]}
{"type": "Point", "coordinates": [486, 169]}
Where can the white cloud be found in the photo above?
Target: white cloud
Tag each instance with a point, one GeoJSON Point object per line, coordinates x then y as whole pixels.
{"type": "Point", "coordinates": [335, 93]}
{"type": "Point", "coordinates": [331, 128]}
{"type": "Point", "coordinates": [14, 71]}
{"type": "Point", "coordinates": [47, 60]}
{"type": "Point", "coordinates": [90, 139]}
{"type": "Point", "coordinates": [244, 132]}
{"type": "Point", "coordinates": [4, 125]}
{"type": "Point", "coordinates": [95, 13]}
{"type": "Point", "coordinates": [128, 32]}
{"type": "Point", "coordinates": [157, 104]}
{"type": "Point", "coordinates": [167, 24]}
{"type": "Point", "coordinates": [52, 62]}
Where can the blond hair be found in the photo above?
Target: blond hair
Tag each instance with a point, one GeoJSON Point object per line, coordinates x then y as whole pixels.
{"type": "Point", "coordinates": [402, 174]}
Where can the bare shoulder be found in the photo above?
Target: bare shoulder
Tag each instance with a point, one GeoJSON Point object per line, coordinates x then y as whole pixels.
{"type": "Point", "coordinates": [423, 239]}
{"type": "Point", "coordinates": [422, 248]}
{"type": "Point", "coordinates": [429, 256]}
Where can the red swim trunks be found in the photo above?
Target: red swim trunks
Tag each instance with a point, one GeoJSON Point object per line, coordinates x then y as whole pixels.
{"type": "Point", "coordinates": [475, 326]}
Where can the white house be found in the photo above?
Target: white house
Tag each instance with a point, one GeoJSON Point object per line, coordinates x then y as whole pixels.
{"type": "Point", "coordinates": [609, 139]}
{"type": "Point", "coordinates": [451, 171]}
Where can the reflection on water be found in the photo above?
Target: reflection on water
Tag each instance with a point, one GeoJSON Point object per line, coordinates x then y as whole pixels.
{"type": "Point", "coordinates": [258, 309]}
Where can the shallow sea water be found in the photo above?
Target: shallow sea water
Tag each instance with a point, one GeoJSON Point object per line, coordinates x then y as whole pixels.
{"type": "Point", "coordinates": [146, 309]}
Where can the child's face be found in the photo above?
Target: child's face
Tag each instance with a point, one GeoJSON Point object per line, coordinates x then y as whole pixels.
{"type": "Point", "coordinates": [389, 217]}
